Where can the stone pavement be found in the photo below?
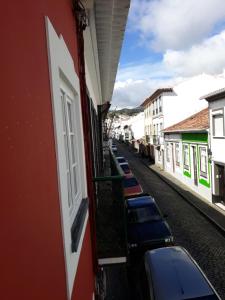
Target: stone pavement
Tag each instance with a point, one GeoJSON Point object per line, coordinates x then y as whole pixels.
{"type": "Point", "coordinates": [213, 213]}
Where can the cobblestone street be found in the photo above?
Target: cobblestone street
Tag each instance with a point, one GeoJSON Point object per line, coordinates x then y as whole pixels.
{"type": "Point", "coordinates": [190, 229]}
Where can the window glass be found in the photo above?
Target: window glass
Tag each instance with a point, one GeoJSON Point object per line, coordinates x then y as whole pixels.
{"type": "Point", "coordinates": [203, 161]}
{"type": "Point", "coordinates": [167, 152]}
{"type": "Point", "coordinates": [130, 182]}
{"type": "Point", "coordinates": [186, 157]}
{"type": "Point", "coordinates": [218, 125]}
{"type": "Point", "coordinates": [125, 168]}
{"type": "Point", "coordinates": [160, 104]}
{"type": "Point", "coordinates": [177, 154]}
{"type": "Point", "coordinates": [69, 132]}
{"type": "Point", "coordinates": [69, 115]}
{"type": "Point", "coordinates": [143, 214]}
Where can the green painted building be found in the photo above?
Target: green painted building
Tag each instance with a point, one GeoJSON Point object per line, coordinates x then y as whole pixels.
{"type": "Point", "coordinates": [186, 153]}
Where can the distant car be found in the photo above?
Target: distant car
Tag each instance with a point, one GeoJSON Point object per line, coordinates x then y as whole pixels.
{"type": "Point", "coordinates": [114, 148]}
{"type": "Point", "coordinates": [146, 227]}
{"type": "Point", "coordinates": [131, 187]}
{"type": "Point", "coordinates": [171, 273]}
{"type": "Point", "coordinates": [125, 167]}
{"type": "Point", "coordinates": [121, 159]}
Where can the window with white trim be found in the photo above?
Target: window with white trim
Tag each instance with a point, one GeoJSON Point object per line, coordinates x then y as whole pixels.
{"type": "Point", "coordinates": [218, 123]}
{"type": "Point", "coordinates": [159, 155]}
{"type": "Point", "coordinates": [71, 150]}
{"type": "Point", "coordinates": [186, 156]}
{"type": "Point", "coordinates": [65, 91]}
{"type": "Point", "coordinates": [156, 105]}
{"type": "Point", "coordinates": [161, 129]}
{"type": "Point", "coordinates": [203, 162]}
{"type": "Point", "coordinates": [177, 154]}
{"type": "Point", "coordinates": [167, 152]}
{"type": "Point", "coordinates": [160, 104]}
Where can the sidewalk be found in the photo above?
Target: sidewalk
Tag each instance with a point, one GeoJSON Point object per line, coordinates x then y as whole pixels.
{"type": "Point", "coordinates": [213, 213]}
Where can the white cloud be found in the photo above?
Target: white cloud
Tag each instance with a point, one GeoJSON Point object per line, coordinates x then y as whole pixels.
{"type": "Point", "coordinates": [175, 24]}
{"type": "Point", "coordinates": [207, 57]}
{"type": "Point", "coordinates": [143, 71]}
{"type": "Point", "coordinates": [131, 93]}
{"type": "Point", "coordinates": [136, 82]}
{"type": "Point", "coordinates": [180, 29]}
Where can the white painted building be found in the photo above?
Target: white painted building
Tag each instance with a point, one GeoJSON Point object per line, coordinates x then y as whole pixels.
{"type": "Point", "coordinates": [129, 128]}
{"type": "Point", "coordinates": [216, 102]}
{"type": "Point", "coordinates": [117, 127]}
{"type": "Point", "coordinates": [167, 106]}
{"type": "Point", "coordinates": [154, 118]}
{"type": "Point", "coordinates": [186, 153]}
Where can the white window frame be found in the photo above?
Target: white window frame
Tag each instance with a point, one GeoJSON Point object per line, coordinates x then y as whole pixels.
{"type": "Point", "coordinates": [63, 77]}
{"type": "Point", "coordinates": [215, 114]}
{"type": "Point", "coordinates": [168, 152]}
{"type": "Point", "coordinates": [203, 173]}
{"type": "Point", "coordinates": [160, 104]}
{"type": "Point", "coordinates": [159, 155]}
{"type": "Point", "coordinates": [157, 106]}
{"type": "Point", "coordinates": [177, 154]}
{"type": "Point", "coordinates": [161, 128]}
{"type": "Point", "coordinates": [186, 152]}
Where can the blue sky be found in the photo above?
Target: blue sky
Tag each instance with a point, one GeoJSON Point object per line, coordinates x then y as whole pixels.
{"type": "Point", "coordinates": [133, 52]}
{"type": "Point", "coordinates": [167, 41]}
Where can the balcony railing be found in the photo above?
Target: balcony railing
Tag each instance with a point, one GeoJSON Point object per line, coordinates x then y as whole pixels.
{"type": "Point", "coordinates": [110, 214]}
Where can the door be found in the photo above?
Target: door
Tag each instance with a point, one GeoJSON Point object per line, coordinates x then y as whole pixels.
{"type": "Point", "coordinates": [195, 171]}
{"type": "Point", "coordinates": [221, 178]}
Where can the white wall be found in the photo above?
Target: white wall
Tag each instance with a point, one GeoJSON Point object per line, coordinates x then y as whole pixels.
{"type": "Point", "coordinates": [174, 138]}
{"type": "Point", "coordinates": [217, 144]}
{"type": "Point", "coordinates": [137, 126]}
{"type": "Point", "coordinates": [178, 172]}
{"type": "Point", "coordinates": [91, 61]}
{"type": "Point", "coordinates": [148, 121]}
{"type": "Point", "coordinates": [135, 123]}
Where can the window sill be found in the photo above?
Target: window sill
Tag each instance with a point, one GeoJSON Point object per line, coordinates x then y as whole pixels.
{"type": "Point", "coordinates": [78, 223]}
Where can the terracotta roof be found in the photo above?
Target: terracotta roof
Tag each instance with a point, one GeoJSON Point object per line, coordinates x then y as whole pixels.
{"type": "Point", "coordinates": [196, 122]}
{"type": "Point", "coordinates": [218, 94]}
{"type": "Point", "coordinates": [156, 94]}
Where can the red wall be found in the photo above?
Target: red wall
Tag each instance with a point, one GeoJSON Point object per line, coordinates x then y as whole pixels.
{"type": "Point", "coordinates": [84, 284]}
{"type": "Point", "coordinates": [31, 251]}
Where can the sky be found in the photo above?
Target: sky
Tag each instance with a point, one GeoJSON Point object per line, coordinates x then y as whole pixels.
{"type": "Point", "coordinates": [167, 41]}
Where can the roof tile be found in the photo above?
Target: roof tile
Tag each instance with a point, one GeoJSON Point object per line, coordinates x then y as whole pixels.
{"type": "Point", "coordinates": [196, 122]}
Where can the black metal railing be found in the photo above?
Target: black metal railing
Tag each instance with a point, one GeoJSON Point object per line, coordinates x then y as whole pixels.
{"type": "Point", "coordinates": [110, 214]}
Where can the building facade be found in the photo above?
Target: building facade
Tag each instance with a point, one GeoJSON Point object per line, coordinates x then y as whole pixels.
{"type": "Point", "coordinates": [216, 102]}
{"type": "Point", "coordinates": [154, 123]}
{"type": "Point", "coordinates": [53, 91]}
{"type": "Point", "coordinates": [168, 106]}
{"type": "Point", "coordinates": [186, 153]}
